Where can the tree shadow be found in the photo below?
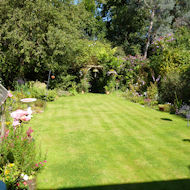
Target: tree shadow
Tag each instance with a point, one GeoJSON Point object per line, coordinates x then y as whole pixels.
{"type": "Point", "coordinates": [166, 119]}
{"type": "Point", "coordinates": [180, 184]}
{"type": "Point", "coordinates": [186, 140]}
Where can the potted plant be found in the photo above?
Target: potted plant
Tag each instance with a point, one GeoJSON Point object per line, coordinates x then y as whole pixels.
{"type": "Point", "coordinates": [107, 89]}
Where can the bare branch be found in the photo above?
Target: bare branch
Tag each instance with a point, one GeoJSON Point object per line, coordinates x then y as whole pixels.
{"type": "Point", "coordinates": [146, 4]}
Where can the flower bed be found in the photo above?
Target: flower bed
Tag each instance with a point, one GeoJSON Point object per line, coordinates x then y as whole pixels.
{"type": "Point", "coordinates": [20, 158]}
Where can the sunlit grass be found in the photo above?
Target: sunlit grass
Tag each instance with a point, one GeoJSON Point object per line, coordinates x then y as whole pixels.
{"type": "Point", "coordinates": [98, 139]}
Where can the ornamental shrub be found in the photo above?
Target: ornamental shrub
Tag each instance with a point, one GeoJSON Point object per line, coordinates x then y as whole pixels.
{"type": "Point", "coordinates": [133, 70]}
{"type": "Point", "coordinates": [171, 86]}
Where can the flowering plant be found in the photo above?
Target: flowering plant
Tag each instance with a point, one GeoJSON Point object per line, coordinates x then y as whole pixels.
{"type": "Point", "coordinates": [18, 147]}
{"type": "Point", "coordinates": [9, 174]}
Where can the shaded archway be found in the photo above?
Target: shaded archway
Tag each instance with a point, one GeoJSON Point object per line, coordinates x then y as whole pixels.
{"type": "Point", "coordinates": [95, 76]}
{"type": "Point", "coordinates": [96, 80]}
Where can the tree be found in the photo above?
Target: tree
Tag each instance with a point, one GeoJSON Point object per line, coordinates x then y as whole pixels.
{"type": "Point", "coordinates": [160, 19]}
{"type": "Point", "coordinates": [39, 35]}
{"type": "Point", "coordinates": [126, 24]}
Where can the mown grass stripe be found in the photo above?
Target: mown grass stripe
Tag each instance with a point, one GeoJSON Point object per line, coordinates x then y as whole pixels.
{"type": "Point", "coordinates": [97, 139]}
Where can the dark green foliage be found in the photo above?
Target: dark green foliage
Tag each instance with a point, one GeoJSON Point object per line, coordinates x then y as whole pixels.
{"type": "Point", "coordinates": [37, 36]}
{"type": "Point", "coordinates": [171, 87]}
{"type": "Point", "coordinates": [126, 22]}
{"type": "Point", "coordinates": [185, 79]}
{"type": "Point", "coordinates": [171, 59]}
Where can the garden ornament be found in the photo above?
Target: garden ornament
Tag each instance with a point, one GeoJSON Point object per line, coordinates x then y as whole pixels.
{"type": "Point", "coordinates": [112, 72]}
{"type": "Point", "coordinates": [95, 71]}
{"type": "Point", "coordinates": [28, 101]}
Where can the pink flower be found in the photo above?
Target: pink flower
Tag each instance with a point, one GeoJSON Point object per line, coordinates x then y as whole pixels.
{"type": "Point", "coordinates": [15, 123]}
{"type": "Point", "coordinates": [40, 162]}
{"type": "Point", "coordinates": [29, 132]}
{"type": "Point", "coordinates": [18, 114]}
{"type": "Point", "coordinates": [45, 161]}
{"type": "Point", "coordinates": [6, 133]}
{"type": "Point", "coordinates": [9, 94]}
{"type": "Point", "coordinates": [36, 165]}
{"type": "Point", "coordinates": [25, 183]}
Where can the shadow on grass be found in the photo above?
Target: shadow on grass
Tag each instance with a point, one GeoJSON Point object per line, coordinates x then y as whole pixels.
{"type": "Point", "coordinates": [186, 140]}
{"type": "Point", "coordinates": [166, 119]}
{"type": "Point", "coordinates": [181, 184]}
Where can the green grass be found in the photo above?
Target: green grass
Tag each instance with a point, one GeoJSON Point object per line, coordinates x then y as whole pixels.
{"type": "Point", "coordinates": [98, 139]}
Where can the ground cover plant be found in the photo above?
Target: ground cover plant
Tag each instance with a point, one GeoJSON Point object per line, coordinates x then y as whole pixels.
{"type": "Point", "coordinates": [98, 140]}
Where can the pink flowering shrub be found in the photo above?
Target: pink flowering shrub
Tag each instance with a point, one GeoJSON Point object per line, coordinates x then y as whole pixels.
{"type": "Point", "coordinates": [10, 94]}
{"type": "Point", "coordinates": [18, 147]}
{"type": "Point", "coordinates": [18, 151]}
{"type": "Point", "coordinates": [20, 115]}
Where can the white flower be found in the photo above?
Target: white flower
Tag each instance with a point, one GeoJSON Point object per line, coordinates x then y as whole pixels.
{"type": "Point", "coordinates": [25, 177]}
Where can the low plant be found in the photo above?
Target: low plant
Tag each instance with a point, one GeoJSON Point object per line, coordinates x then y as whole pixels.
{"type": "Point", "coordinates": [133, 96]}
{"type": "Point", "coordinates": [61, 93]}
{"type": "Point", "coordinates": [152, 91]}
{"type": "Point", "coordinates": [73, 89]}
{"type": "Point", "coordinates": [111, 85]}
{"type": "Point", "coordinates": [84, 85]}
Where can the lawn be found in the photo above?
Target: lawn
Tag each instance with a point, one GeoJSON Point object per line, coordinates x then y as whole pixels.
{"type": "Point", "coordinates": [106, 142]}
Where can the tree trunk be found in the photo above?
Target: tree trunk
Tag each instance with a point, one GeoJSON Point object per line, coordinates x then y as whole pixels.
{"type": "Point", "coordinates": [149, 33]}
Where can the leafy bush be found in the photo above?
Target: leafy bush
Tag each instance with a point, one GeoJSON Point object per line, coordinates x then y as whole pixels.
{"type": "Point", "coordinates": [133, 96]}
{"type": "Point", "coordinates": [84, 85]}
{"type": "Point", "coordinates": [35, 90]}
{"type": "Point", "coordinates": [171, 52]}
{"type": "Point", "coordinates": [61, 93]}
{"type": "Point", "coordinates": [133, 70]}
{"type": "Point", "coordinates": [63, 82]}
{"type": "Point", "coordinates": [111, 85]}
{"type": "Point", "coordinates": [185, 80]}
{"type": "Point", "coordinates": [171, 86]}
{"type": "Point", "coordinates": [73, 89]}
{"type": "Point", "coordinates": [152, 91]}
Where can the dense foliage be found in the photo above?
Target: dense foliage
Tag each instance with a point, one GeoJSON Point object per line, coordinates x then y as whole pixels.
{"type": "Point", "coordinates": [141, 43]}
{"type": "Point", "coordinates": [51, 48]}
{"type": "Point", "coordinates": [37, 36]}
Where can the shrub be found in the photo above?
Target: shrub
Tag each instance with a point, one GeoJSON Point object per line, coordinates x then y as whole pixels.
{"type": "Point", "coordinates": [185, 80]}
{"type": "Point", "coordinates": [111, 84]}
{"type": "Point", "coordinates": [171, 86]}
{"type": "Point", "coordinates": [84, 85]}
{"type": "Point", "coordinates": [152, 91]}
{"type": "Point", "coordinates": [61, 93]}
{"type": "Point", "coordinates": [132, 70]}
{"type": "Point", "coordinates": [73, 89]}
{"type": "Point", "coordinates": [133, 96]}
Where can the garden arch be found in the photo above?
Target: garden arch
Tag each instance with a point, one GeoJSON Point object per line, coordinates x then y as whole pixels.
{"type": "Point", "coordinates": [95, 76]}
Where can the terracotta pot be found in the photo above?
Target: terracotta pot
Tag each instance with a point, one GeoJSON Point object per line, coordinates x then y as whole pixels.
{"type": "Point", "coordinates": [161, 108]}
